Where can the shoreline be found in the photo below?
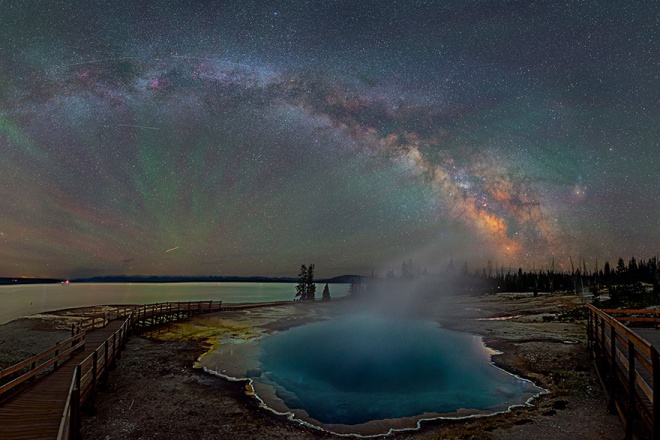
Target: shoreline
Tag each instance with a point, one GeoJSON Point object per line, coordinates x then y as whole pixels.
{"type": "Point", "coordinates": [397, 428]}
{"type": "Point", "coordinates": [156, 393]}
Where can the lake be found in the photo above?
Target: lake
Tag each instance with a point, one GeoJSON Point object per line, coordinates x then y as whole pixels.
{"type": "Point", "coordinates": [29, 299]}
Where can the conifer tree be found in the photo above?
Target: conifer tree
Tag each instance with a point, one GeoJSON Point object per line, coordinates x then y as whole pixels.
{"type": "Point", "coordinates": [326, 293]}
{"type": "Point", "coordinates": [301, 287]}
{"type": "Point", "coordinates": [309, 281]}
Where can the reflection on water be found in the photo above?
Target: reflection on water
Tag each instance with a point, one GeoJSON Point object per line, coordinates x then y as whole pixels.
{"type": "Point", "coordinates": [356, 369]}
{"type": "Point", "coordinates": [23, 300]}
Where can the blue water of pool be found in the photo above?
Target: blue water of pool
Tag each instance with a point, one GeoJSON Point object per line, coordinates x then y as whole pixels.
{"type": "Point", "coordinates": [359, 368]}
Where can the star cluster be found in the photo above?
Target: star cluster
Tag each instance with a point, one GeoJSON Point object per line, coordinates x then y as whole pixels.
{"type": "Point", "coordinates": [203, 138]}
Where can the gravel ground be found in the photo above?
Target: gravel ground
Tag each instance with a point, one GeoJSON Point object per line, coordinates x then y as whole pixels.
{"type": "Point", "coordinates": [23, 338]}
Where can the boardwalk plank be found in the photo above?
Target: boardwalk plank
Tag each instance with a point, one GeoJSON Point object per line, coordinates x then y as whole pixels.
{"type": "Point", "coordinates": [37, 411]}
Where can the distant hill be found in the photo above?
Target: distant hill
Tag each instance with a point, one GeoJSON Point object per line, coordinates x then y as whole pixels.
{"type": "Point", "coordinates": [6, 281]}
{"type": "Point", "coordinates": [209, 279]}
{"type": "Point", "coordinates": [343, 279]}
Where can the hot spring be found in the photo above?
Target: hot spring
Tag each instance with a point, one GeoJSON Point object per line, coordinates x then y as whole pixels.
{"type": "Point", "coordinates": [358, 371]}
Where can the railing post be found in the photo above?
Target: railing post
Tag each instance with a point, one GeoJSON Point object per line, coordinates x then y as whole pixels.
{"type": "Point", "coordinates": [120, 343]}
{"type": "Point", "coordinates": [655, 359]}
{"type": "Point", "coordinates": [78, 374]}
{"type": "Point", "coordinates": [105, 360]}
{"type": "Point", "coordinates": [95, 364]}
{"type": "Point", "coordinates": [590, 336]}
{"type": "Point", "coordinates": [57, 352]}
{"type": "Point", "coordinates": [602, 335]}
{"type": "Point", "coordinates": [630, 414]}
{"type": "Point", "coordinates": [178, 310]}
{"type": "Point", "coordinates": [595, 342]}
{"type": "Point", "coordinates": [612, 371]}
{"type": "Point", "coordinates": [74, 427]}
{"type": "Point", "coordinates": [114, 349]}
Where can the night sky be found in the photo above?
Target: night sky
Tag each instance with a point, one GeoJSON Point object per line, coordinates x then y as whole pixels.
{"type": "Point", "coordinates": [190, 137]}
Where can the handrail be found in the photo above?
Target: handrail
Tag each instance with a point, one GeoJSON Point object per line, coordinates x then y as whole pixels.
{"type": "Point", "coordinates": [76, 342]}
{"type": "Point", "coordinates": [86, 376]}
{"type": "Point", "coordinates": [102, 319]}
{"type": "Point", "coordinates": [20, 365]}
{"type": "Point", "coordinates": [65, 424]}
{"type": "Point", "coordinates": [630, 367]}
{"type": "Point", "coordinates": [635, 315]}
{"type": "Point", "coordinates": [631, 311]}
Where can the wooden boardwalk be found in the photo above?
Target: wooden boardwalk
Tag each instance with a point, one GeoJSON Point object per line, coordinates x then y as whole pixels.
{"type": "Point", "coordinates": [48, 408]}
{"type": "Point", "coordinates": [36, 412]}
{"type": "Point", "coordinates": [650, 334]}
{"type": "Point", "coordinates": [625, 348]}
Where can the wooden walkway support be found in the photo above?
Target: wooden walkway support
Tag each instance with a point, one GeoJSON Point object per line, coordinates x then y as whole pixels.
{"type": "Point", "coordinates": [49, 407]}
{"type": "Point", "coordinates": [628, 366]}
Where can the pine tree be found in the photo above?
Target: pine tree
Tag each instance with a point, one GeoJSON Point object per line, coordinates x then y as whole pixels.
{"type": "Point", "coordinates": [326, 293]}
{"type": "Point", "coordinates": [311, 287]}
{"type": "Point", "coordinates": [301, 287]}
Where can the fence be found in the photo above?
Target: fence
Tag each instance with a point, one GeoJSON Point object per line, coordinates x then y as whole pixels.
{"type": "Point", "coordinates": [21, 372]}
{"type": "Point", "coordinates": [629, 367]}
{"type": "Point", "coordinates": [102, 319]}
{"type": "Point", "coordinates": [161, 313]}
{"type": "Point", "coordinates": [95, 367]}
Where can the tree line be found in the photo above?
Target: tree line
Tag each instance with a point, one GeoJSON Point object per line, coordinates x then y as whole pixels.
{"type": "Point", "coordinates": [632, 283]}
{"type": "Point", "coordinates": [634, 274]}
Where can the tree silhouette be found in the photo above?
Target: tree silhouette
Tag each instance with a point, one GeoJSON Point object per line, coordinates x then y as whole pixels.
{"type": "Point", "coordinates": [326, 293]}
{"type": "Point", "coordinates": [306, 289]}
{"type": "Point", "coordinates": [301, 287]}
{"type": "Point", "coordinates": [311, 287]}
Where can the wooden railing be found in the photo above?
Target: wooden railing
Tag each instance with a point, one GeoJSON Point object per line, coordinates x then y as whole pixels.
{"type": "Point", "coordinates": [635, 316]}
{"type": "Point", "coordinates": [629, 367]}
{"type": "Point", "coordinates": [70, 417]}
{"type": "Point", "coordinates": [95, 367]}
{"type": "Point", "coordinates": [102, 319]}
{"type": "Point", "coordinates": [17, 374]}
{"type": "Point", "coordinates": [161, 313]}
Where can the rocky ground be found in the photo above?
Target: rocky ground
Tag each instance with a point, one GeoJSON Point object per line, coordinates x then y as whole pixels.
{"type": "Point", "coordinates": [155, 393]}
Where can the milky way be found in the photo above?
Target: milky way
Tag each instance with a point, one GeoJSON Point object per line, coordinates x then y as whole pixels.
{"type": "Point", "coordinates": [218, 138]}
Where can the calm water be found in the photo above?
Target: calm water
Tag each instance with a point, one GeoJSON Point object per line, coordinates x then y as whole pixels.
{"type": "Point", "coordinates": [355, 369]}
{"type": "Point", "coordinates": [19, 301]}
